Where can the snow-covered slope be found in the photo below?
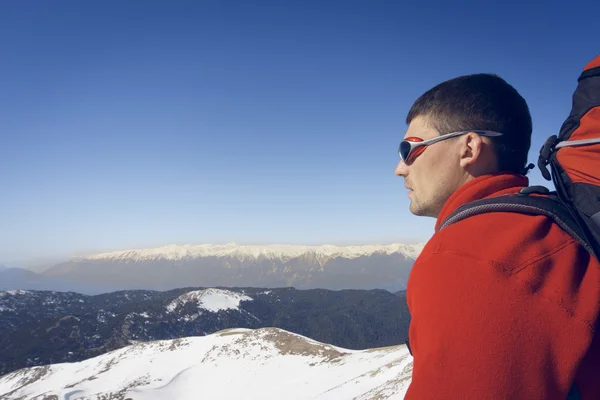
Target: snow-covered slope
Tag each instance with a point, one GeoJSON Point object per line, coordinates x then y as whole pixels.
{"type": "Point", "coordinates": [213, 300]}
{"type": "Point", "coordinates": [282, 252]}
{"type": "Point", "coordinates": [267, 363]}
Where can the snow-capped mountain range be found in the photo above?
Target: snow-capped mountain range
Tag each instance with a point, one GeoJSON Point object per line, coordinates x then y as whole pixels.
{"type": "Point", "coordinates": [242, 252]}
{"type": "Point", "coordinates": [303, 267]}
{"type": "Point", "coordinates": [266, 363]}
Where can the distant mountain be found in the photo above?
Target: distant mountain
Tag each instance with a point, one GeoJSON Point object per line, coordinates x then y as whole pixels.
{"type": "Point", "coordinates": [13, 278]}
{"type": "Point", "coordinates": [23, 279]}
{"type": "Point", "coordinates": [43, 327]}
{"type": "Point", "coordinates": [36, 263]}
{"type": "Point", "coordinates": [3, 267]}
{"type": "Point", "coordinates": [267, 363]}
{"type": "Point", "coordinates": [303, 267]}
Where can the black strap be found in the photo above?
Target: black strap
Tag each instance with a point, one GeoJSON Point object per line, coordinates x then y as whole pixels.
{"type": "Point", "coordinates": [574, 393]}
{"type": "Point", "coordinates": [549, 206]}
{"type": "Point", "coordinates": [544, 158]}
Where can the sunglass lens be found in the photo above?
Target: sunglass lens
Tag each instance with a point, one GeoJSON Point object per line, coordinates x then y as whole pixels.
{"type": "Point", "coordinates": [404, 149]}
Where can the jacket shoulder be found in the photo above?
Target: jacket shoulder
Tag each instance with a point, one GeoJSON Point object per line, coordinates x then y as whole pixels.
{"type": "Point", "coordinates": [505, 240]}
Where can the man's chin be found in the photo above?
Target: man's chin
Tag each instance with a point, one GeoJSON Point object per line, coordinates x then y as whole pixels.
{"type": "Point", "coordinates": [416, 210]}
{"type": "Point", "coordinates": [413, 208]}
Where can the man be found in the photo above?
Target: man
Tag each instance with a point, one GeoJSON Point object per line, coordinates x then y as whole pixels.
{"type": "Point", "coordinates": [503, 305]}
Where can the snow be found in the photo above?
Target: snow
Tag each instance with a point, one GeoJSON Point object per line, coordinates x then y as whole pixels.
{"type": "Point", "coordinates": [188, 318]}
{"type": "Point", "coordinates": [13, 292]}
{"type": "Point", "coordinates": [276, 251]}
{"type": "Point", "coordinates": [213, 300]}
{"type": "Point", "coordinates": [267, 363]}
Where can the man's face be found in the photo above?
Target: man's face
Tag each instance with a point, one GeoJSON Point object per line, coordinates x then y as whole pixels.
{"type": "Point", "coordinates": [433, 175]}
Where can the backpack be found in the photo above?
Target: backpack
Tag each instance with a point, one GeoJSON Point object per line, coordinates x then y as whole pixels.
{"type": "Point", "coordinates": [574, 159]}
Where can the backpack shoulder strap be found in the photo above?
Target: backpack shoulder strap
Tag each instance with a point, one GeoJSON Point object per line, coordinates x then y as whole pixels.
{"type": "Point", "coordinates": [549, 205]}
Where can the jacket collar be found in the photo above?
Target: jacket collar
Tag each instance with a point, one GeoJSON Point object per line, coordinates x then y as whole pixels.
{"type": "Point", "coordinates": [480, 188]}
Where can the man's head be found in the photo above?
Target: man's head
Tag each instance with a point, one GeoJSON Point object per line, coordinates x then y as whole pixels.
{"type": "Point", "coordinates": [467, 103]}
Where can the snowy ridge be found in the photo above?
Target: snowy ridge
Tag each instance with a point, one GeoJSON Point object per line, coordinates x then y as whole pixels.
{"type": "Point", "coordinates": [13, 292]}
{"type": "Point", "coordinates": [213, 300]}
{"type": "Point", "coordinates": [282, 251]}
{"type": "Point", "coordinates": [231, 364]}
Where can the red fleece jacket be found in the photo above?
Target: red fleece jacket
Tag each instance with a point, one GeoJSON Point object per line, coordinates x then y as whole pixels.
{"type": "Point", "coordinates": [503, 306]}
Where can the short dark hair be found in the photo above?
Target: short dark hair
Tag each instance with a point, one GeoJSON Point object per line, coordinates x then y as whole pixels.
{"type": "Point", "coordinates": [481, 101]}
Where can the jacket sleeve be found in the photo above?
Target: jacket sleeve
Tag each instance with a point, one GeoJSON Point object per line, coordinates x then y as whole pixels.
{"type": "Point", "coordinates": [479, 332]}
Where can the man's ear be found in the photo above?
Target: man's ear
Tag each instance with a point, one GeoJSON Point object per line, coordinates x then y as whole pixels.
{"type": "Point", "coordinates": [471, 149]}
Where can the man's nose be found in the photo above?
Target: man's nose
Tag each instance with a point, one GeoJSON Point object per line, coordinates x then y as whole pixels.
{"type": "Point", "coordinates": [400, 169]}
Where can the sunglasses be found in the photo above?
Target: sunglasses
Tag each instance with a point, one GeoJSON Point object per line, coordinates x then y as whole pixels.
{"type": "Point", "coordinates": [411, 147]}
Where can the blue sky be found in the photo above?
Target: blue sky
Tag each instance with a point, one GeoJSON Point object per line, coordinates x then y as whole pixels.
{"type": "Point", "coordinates": [139, 123]}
